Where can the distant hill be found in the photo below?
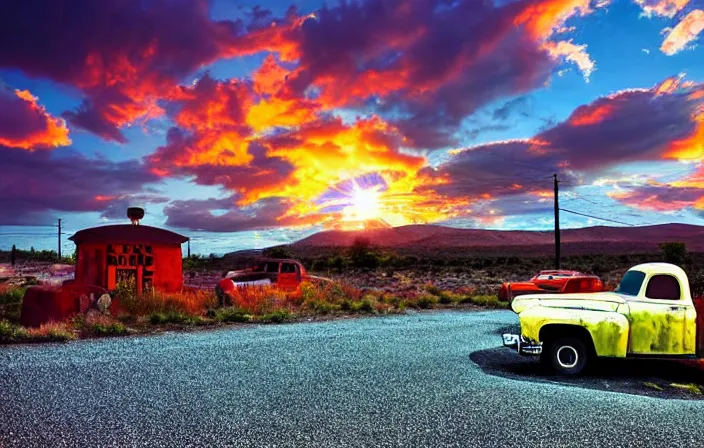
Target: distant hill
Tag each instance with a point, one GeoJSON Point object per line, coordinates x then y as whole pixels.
{"type": "Point", "coordinates": [598, 239]}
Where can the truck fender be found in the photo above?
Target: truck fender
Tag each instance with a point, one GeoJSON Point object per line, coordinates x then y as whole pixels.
{"type": "Point", "coordinates": [608, 330]}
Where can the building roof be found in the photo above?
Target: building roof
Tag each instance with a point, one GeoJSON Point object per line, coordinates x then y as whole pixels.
{"type": "Point", "coordinates": [127, 233]}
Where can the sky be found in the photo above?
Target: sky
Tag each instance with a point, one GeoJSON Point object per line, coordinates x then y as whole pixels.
{"type": "Point", "coordinates": [245, 124]}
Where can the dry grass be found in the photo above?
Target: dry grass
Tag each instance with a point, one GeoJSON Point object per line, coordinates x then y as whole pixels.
{"type": "Point", "coordinates": [259, 300]}
{"type": "Point", "coordinates": [98, 325]}
{"type": "Point", "coordinates": [192, 302]}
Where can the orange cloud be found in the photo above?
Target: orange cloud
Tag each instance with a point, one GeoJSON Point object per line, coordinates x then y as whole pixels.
{"type": "Point", "coordinates": [586, 115]}
{"type": "Point", "coordinates": [24, 123]}
{"type": "Point", "coordinates": [545, 17]}
{"type": "Point", "coordinates": [685, 32]}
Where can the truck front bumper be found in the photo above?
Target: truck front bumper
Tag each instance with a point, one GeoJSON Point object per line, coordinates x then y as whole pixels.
{"type": "Point", "coordinates": [522, 345]}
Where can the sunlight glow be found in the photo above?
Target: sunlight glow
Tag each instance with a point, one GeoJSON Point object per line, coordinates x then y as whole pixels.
{"type": "Point", "coordinates": [365, 205]}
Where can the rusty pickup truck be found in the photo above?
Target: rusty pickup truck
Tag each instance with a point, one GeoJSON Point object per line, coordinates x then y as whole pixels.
{"type": "Point", "coordinates": [285, 274]}
{"type": "Point", "coordinates": [651, 314]}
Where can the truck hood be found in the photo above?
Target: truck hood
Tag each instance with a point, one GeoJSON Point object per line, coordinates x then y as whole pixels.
{"type": "Point", "coordinates": [594, 301]}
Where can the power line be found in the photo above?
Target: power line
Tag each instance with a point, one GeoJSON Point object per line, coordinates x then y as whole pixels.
{"type": "Point", "coordinates": [597, 217]}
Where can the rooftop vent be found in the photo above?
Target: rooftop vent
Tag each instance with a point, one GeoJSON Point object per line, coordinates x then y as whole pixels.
{"type": "Point", "coordinates": [135, 214]}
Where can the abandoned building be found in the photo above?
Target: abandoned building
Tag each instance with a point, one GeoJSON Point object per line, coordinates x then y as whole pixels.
{"type": "Point", "coordinates": [105, 256]}
{"type": "Point", "coordinates": [150, 256]}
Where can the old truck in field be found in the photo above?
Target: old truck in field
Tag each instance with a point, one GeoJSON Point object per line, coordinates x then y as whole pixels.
{"type": "Point", "coordinates": [650, 314]}
{"type": "Point", "coordinates": [284, 274]}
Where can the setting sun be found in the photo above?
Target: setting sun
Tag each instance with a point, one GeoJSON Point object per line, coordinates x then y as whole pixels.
{"type": "Point", "coordinates": [365, 205]}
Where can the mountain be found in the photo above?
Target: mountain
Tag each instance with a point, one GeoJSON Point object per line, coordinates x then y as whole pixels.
{"type": "Point", "coordinates": [598, 239]}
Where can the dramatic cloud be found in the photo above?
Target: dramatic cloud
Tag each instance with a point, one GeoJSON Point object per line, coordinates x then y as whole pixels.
{"type": "Point", "coordinates": [33, 184]}
{"type": "Point", "coordinates": [685, 32]}
{"type": "Point", "coordinates": [25, 124]}
{"type": "Point", "coordinates": [663, 122]}
{"type": "Point", "coordinates": [200, 215]}
{"type": "Point", "coordinates": [661, 197]}
{"type": "Point", "coordinates": [124, 55]}
{"type": "Point", "coordinates": [432, 56]}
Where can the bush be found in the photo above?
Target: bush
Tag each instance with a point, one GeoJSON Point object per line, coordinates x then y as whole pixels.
{"type": "Point", "coordinates": [488, 301]}
{"type": "Point", "coordinates": [231, 314]}
{"type": "Point", "coordinates": [10, 332]}
{"type": "Point", "coordinates": [11, 303]}
{"type": "Point", "coordinates": [427, 301]}
{"type": "Point", "coordinates": [276, 317]}
{"type": "Point", "coordinates": [278, 252]}
{"type": "Point", "coordinates": [51, 332]}
{"type": "Point", "coordinates": [363, 255]}
{"type": "Point", "coordinates": [675, 253]}
{"type": "Point", "coordinates": [174, 317]}
{"type": "Point", "coordinates": [99, 326]}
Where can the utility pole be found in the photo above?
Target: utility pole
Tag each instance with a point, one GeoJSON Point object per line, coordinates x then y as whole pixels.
{"type": "Point", "coordinates": [189, 248]}
{"type": "Point", "coordinates": [59, 240]}
{"type": "Point", "coordinates": [556, 182]}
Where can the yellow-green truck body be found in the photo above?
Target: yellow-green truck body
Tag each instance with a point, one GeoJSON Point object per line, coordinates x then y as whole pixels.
{"type": "Point", "coordinates": [650, 314]}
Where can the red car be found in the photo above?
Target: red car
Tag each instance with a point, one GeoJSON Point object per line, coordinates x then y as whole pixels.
{"type": "Point", "coordinates": [564, 282]}
{"type": "Point", "coordinates": [285, 274]}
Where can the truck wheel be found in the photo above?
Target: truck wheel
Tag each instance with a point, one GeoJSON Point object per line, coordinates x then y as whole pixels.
{"type": "Point", "coordinates": [568, 356]}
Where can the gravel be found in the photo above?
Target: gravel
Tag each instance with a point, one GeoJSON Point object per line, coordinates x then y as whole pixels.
{"type": "Point", "coordinates": [387, 381]}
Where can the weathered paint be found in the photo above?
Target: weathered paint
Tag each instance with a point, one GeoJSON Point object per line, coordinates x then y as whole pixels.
{"type": "Point", "coordinates": [602, 301]}
{"type": "Point", "coordinates": [621, 324]}
{"type": "Point", "coordinates": [659, 332]}
{"type": "Point", "coordinates": [609, 330]}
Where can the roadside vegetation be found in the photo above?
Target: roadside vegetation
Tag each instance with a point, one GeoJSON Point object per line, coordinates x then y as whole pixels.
{"type": "Point", "coordinates": [367, 280]}
{"type": "Point", "coordinates": [139, 313]}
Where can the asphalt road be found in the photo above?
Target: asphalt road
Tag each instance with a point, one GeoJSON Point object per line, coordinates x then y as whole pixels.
{"type": "Point", "coordinates": [399, 381]}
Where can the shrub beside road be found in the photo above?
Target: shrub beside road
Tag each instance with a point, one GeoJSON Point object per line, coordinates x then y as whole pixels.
{"type": "Point", "coordinates": [155, 311]}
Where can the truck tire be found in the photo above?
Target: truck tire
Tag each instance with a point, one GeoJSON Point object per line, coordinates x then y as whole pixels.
{"type": "Point", "coordinates": [568, 356]}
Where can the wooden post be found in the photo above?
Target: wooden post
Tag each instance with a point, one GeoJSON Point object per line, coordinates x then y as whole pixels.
{"type": "Point", "coordinates": [59, 240]}
{"type": "Point", "coordinates": [557, 222]}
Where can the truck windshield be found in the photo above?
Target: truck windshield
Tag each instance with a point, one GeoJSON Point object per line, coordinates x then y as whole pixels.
{"type": "Point", "coordinates": [631, 283]}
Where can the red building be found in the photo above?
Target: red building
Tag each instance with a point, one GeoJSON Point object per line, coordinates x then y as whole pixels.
{"type": "Point", "coordinates": [105, 256]}
{"type": "Point", "coordinates": [109, 254]}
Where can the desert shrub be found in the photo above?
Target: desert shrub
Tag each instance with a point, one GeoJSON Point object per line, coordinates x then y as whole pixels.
{"type": "Point", "coordinates": [427, 301]}
{"type": "Point", "coordinates": [363, 254]}
{"type": "Point", "coordinates": [11, 303]}
{"type": "Point", "coordinates": [174, 317]}
{"type": "Point", "coordinates": [99, 325]}
{"type": "Point", "coordinates": [278, 252]}
{"type": "Point", "coordinates": [321, 307]}
{"type": "Point", "coordinates": [431, 289]}
{"type": "Point", "coordinates": [231, 314]}
{"type": "Point", "coordinates": [489, 301]}
{"type": "Point", "coordinates": [319, 265]}
{"type": "Point", "coordinates": [276, 317]}
{"type": "Point", "coordinates": [366, 305]}
{"type": "Point", "coordinates": [675, 253]}
{"type": "Point", "coordinates": [338, 262]}
{"type": "Point", "coordinates": [51, 332]}
{"type": "Point", "coordinates": [10, 332]}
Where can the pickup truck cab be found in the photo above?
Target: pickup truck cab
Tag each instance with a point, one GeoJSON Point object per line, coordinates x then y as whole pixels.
{"type": "Point", "coordinates": [651, 314]}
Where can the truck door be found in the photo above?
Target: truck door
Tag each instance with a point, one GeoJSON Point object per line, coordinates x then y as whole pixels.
{"type": "Point", "coordinates": [658, 319]}
{"type": "Point", "coordinates": [288, 277]}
